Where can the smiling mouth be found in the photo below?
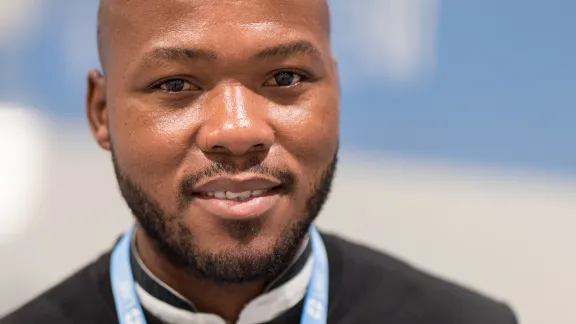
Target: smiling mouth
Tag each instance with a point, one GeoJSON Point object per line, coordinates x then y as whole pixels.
{"type": "Point", "coordinates": [239, 196]}
{"type": "Point", "coordinates": [247, 204]}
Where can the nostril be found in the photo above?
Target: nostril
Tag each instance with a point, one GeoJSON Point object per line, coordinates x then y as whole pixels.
{"type": "Point", "coordinates": [218, 148]}
{"type": "Point", "coordinates": [238, 141]}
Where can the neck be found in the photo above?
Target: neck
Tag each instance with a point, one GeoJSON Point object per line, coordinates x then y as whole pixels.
{"type": "Point", "coordinates": [225, 300]}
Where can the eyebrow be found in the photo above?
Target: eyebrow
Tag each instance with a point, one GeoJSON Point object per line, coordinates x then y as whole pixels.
{"type": "Point", "coordinates": [288, 49]}
{"type": "Point", "coordinates": [162, 54]}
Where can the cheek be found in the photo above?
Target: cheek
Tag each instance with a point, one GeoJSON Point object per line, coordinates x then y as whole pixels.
{"type": "Point", "coordinates": [309, 132]}
{"type": "Point", "coordinates": [152, 132]}
{"type": "Point", "coordinates": [309, 135]}
{"type": "Point", "coordinates": [150, 145]}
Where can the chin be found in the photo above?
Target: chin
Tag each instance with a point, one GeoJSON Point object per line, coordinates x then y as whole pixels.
{"type": "Point", "coordinates": [239, 253]}
{"type": "Point", "coordinates": [256, 234]}
{"type": "Point", "coordinates": [235, 251]}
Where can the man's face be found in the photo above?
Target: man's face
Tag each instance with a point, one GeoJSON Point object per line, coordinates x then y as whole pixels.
{"type": "Point", "coordinates": [222, 119]}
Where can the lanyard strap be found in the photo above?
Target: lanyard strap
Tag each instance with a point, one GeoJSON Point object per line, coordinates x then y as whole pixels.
{"type": "Point", "coordinates": [130, 311]}
{"type": "Point", "coordinates": [126, 300]}
{"type": "Point", "coordinates": [316, 301]}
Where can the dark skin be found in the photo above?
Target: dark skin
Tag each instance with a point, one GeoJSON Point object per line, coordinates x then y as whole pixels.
{"type": "Point", "coordinates": [189, 84]}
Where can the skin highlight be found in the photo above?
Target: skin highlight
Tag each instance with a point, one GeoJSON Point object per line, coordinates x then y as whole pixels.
{"type": "Point", "coordinates": [193, 90]}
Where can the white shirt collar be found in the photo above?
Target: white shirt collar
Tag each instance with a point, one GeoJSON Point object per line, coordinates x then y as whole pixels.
{"type": "Point", "coordinates": [262, 309]}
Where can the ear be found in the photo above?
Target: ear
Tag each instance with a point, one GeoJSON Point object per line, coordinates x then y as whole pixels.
{"type": "Point", "coordinates": [96, 109]}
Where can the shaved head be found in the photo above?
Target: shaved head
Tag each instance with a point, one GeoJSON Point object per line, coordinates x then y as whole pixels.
{"type": "Point", "coordinates": [102, 29]}
{"type": "Point", "coordinates": [109, 10]}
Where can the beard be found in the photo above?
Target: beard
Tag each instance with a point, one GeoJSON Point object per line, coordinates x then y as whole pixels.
{"type": "Point", "coordinates": [174, 239]}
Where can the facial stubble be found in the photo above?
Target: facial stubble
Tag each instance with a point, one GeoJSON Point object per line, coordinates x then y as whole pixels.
{"type": "Point", "coordinates": [176, 241]}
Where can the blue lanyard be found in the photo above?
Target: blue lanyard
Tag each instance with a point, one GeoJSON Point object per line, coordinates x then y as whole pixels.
{"type": "Point", "coordinates": [130, 311]}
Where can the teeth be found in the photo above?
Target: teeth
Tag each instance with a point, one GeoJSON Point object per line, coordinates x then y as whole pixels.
{"type": "Point", "coordinates": [243, 195]}
{"type": "Point", "coordinates": [232, 195]}
{"type": "Point", "coordinates": [239, 196]}
{"type": "Point", "coordinates": [258, 192]}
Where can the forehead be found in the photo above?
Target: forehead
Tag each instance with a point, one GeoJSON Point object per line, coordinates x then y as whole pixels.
{"type": "Point", "coordinates": [227, 27]}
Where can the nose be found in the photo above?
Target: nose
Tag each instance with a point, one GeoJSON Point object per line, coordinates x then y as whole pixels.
{"type": "Point", "coordinates": [238, 123]}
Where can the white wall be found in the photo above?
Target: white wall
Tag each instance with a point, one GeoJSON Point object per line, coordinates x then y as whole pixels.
{"type": "Point", "coordinates": [509, 234]}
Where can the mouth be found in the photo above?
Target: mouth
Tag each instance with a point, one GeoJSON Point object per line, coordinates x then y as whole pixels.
{"type": "Point", "coordinates": [237, 199]}
{"type": "Point", "coordinates": [239, 196]}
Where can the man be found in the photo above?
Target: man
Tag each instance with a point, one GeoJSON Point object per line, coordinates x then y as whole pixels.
{"type": "Point", "coordinates": [222, 121]}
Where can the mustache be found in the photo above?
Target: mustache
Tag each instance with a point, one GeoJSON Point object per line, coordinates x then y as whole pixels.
{"type": "Point", "coordinates": [227, 167]}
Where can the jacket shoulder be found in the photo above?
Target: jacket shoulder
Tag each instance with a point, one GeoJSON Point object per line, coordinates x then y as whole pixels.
{"type": "Point", "coordinates": [81, 298]}
{"type": "Point", "coordinates": [402, 293]}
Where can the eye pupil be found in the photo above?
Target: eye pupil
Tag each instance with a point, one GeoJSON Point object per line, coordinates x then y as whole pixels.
{"type": "Point", "coordinates": [284, 79]}
{"type": "Point", "coordinates": [175, 85]}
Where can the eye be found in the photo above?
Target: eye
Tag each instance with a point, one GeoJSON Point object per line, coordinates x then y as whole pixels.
{"type": "Point", "coordinates": [284, 79]}
{"type": "Point", "coordinates": [175, 85]}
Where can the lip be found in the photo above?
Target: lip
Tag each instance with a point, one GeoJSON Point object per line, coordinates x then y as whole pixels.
{"type": "Point", "coordinates": [254, 207]}
{"type": "Point", "coordinates": [236, 184]}
{"type": "Point", "coordinates": [236, 210]}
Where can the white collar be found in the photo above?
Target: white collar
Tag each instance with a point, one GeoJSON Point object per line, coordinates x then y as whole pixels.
{"type": "Point", "coordinates": [262, 309]}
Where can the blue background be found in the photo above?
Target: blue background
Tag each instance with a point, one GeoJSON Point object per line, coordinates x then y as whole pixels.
{"type": "Point", "coordinates": [503, 91]}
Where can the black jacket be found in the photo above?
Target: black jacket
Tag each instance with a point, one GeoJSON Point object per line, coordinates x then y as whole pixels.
{"type": "Point", "coordinates": [366, 286]}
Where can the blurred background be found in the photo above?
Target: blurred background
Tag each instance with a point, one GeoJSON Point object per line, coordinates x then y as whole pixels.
{"type": "Point", "coordinates": [458, 147]}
